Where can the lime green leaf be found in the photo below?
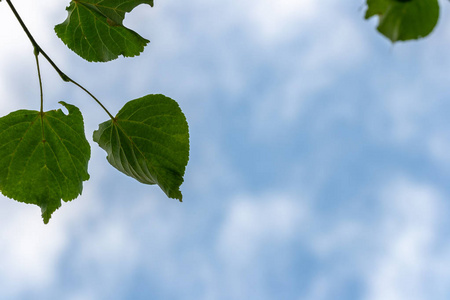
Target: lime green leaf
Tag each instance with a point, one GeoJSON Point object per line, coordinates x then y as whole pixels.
{"type": "Point", "coordinates": [94, 29]}
{"type": "Point", "coordinates": [402, 20]}
{"type": "Point", "coordinates": [43, 157]}
{"type": "Point", "coordinates": [149, 141]}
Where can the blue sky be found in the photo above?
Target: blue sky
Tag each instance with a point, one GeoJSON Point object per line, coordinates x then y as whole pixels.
{"type": "Point", "coordinates": [319, 167]}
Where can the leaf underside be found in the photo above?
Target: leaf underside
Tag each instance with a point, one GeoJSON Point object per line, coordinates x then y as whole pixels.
{"type": "Point", "coordinates": [402, 20]}
{"type": "Point", "coordinates": [149, 141]}
{"type": "Point", "coordinates": [94, 29]}
{"type": "Point", "coordinates": [43, 157]}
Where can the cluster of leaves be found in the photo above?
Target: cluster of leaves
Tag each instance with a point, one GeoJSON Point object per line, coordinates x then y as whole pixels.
{"type": "Point", "coordinates": [44, 155]}
{"type": "Point", "coordinates": [402, 20]}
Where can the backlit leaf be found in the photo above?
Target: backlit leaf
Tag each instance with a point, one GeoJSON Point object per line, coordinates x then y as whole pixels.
{"type": "Point", "coordinates": [402, 20]}
{"type": "Point", "coordinates": [94, 29]}
{"type": "Point", "coordinates": [149, 141]}
{"type": "Point", "coordinates": [43, 157]}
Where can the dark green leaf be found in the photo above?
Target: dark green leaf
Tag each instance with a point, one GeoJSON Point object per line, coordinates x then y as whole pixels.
{"type": "Point", "coordinates": [43, 157]}
{"type": "Point", "coordinates": [149, 141]}
{"type": "Point", "coordinates": [402, 20]}
{"type": "Point", "coordinates": [94, 29]}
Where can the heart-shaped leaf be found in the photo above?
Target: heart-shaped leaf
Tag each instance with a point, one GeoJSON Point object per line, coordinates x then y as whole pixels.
{"type": "Point", "coordinates": [149, 141]}
{"type": "Point", "coordinates": [94, 29]}
{"type": "Point", "coordinates": [43, 157]}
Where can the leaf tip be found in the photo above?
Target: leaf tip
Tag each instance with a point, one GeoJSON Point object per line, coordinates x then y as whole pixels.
{"type": "Point", "coordinates": [175, 195]}
{"type": "Point", "coordinates": [46, 215]}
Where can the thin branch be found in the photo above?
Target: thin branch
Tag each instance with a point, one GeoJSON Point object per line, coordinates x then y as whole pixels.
{"type": "Point", "coordinates": [38, 49]}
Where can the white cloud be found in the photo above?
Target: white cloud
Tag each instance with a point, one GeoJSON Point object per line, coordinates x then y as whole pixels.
{"type": "Point", "coordinates": [29, 250]}
{"type": "Point", "coordinates": [407, 240]}
{"type": "Point", "coordinates": [274, 21]}
{"type": "Point", "coordinates": [254, 223]}
{"type": "Point", "coordinates": [309, 64]}
{"type": "Point", "coordinates": [255, 233]}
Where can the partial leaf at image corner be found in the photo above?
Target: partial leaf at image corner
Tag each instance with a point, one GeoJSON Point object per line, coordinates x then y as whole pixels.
{"type": "Point", "coordinates": [402, 20]}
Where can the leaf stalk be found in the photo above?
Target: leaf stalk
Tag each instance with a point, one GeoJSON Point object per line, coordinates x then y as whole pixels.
{"type": "Point", "coordinates": [36, 56]}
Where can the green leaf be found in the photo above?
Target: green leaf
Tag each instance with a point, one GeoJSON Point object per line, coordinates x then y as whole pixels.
{"type": "Point", "coordinates": [149, 141]}
{"type": "Point", "coordinates": [94, 29]}
{"type": "Point", "coordinates": [43, 157]}
{"type": "Point", "coordinates": [402, 20]}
